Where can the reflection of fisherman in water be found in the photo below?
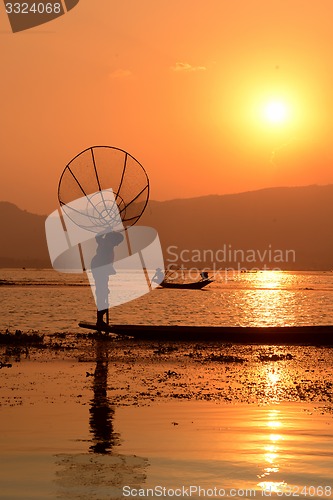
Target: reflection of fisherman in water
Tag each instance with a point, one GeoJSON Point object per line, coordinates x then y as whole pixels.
{"type": "Point", "coordinates": [101, 413]}
{"type": "Point", "coordinates": [102, 268]}
{"type": "Point", "coordinates": [103, 472]}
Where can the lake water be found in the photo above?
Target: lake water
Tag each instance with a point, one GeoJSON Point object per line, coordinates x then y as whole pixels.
{"type": "Point", "coordinates": [48, 301]}
{"type": "Point", "coordinates": [53, 433]}
{"type": "Point", "coordinates": [59, 409]}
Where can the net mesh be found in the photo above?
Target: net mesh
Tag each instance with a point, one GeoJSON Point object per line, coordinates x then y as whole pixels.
{"type": "Point", "coordinates": [90, 175]}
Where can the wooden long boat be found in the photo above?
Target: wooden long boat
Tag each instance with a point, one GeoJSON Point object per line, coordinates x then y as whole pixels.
{"type": "Point", "coordinates": [270, 335]}
{"type": "Point", "coordinates": [194, 285]}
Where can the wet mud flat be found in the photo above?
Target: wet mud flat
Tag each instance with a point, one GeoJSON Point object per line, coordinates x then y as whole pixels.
{"type": "Point", "coordinates": [140, 371]}
{"type": "Point", "coordinates": [84, 416]}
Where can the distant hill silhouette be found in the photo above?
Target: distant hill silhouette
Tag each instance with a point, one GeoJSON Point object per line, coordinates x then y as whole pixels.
{"type": "Point", "coordinates": [23, 242]}
{"type": "Point", "coordinates": [298, 219]}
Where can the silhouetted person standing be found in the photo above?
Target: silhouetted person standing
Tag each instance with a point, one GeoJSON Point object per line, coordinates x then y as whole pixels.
{"type": "Point", "coordinates": [102, 268]}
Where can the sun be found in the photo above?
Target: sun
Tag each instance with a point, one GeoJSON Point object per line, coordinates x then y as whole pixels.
{"type": "Point", "coordinates": [276, 112]}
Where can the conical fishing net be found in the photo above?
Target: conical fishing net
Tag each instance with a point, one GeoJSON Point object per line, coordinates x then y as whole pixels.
{"type": "Point", "coordinates": [99, 185]}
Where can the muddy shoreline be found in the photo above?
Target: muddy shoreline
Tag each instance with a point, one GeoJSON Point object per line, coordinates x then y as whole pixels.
{"type": "Point", "coordinates": [140, 372]}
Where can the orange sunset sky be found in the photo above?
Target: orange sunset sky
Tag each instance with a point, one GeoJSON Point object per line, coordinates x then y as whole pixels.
{"type": "Point", "coordinates": [212, 97]}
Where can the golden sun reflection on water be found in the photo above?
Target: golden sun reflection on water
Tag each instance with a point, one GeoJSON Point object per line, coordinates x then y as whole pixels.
{"type": "Point", "coordinates": [270, 279]}
{"type": "Point", "coordinates": [279, 433]}
{"type": "Point", "coordinates": [275, 437]}
{"type": "Point", "coordinates": [268, 295]}
{"type": "Point", "coordinates": [271, 454]}
{"type": "Point", "coordinates": [275, 450]}
{"type": "Point", "coordinates": [273, 419]}
{"type": "Point", "coordinates": [273, 378]}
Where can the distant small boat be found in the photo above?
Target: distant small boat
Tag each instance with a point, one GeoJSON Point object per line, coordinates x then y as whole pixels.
{"type": "Point", "coordinates": [194, 285]}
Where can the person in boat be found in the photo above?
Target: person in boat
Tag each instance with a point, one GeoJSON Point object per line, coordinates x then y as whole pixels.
{"type": "Point", "coordinates": [158, 276]}
{"type": "Point", "coordinates": [204, 275]}
{"type": "Point", "coordinates": [102, 268]}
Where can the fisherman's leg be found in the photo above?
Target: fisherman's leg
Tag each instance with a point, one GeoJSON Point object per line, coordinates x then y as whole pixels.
{"type": "Point", "coordinates": [100, 317]}
{"type": "Point", "coordinates": [102, 299]}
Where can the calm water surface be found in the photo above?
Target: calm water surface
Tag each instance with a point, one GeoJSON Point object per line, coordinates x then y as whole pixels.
{"type": "Point", "coordinates": [54, 418]}
{"type": "Point", "coordinates": [49, 301]}
{"type": "Point", "coordinates": [53, 433]}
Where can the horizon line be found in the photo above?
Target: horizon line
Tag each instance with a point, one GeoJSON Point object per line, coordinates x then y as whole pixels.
{"type": "Point", "coordinates": [270, 188]}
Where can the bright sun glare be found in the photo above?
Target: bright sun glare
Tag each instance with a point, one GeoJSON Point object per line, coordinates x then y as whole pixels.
{"type": "Point", "coordinates": [276, 112]}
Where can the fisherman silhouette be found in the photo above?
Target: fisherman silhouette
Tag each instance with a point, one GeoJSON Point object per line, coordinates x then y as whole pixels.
{"type": "Point", "coordinates": [158, 276]}
{"type": "Point", "coordinates": [102, 268]}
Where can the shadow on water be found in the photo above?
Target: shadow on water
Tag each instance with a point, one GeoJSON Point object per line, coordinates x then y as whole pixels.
{"type": "Point", "coordinates": [101, 473]}
{"type": "Point", "coordinates": [101, 411]}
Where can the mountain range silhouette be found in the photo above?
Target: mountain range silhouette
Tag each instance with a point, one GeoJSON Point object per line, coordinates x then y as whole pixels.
{"type": "Point", "coordinates": [286, 218]}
